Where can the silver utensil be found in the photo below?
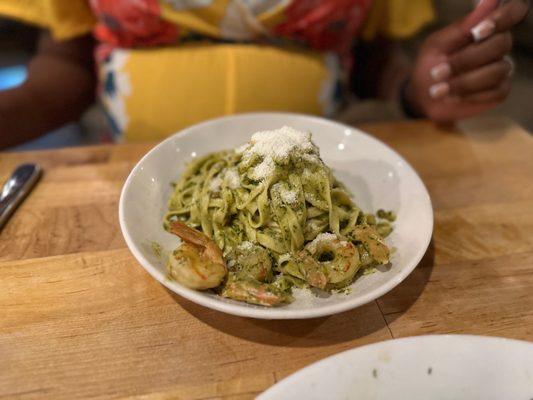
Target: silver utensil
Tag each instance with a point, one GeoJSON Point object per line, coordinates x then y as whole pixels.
{"type": "Point", "coordinates": [16, 188]}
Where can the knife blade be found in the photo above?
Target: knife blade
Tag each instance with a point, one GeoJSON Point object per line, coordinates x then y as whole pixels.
{"type": "Point", "coordinates": [16, 188]}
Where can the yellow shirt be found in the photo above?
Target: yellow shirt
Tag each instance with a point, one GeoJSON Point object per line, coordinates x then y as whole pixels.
{"type": "Point", "coordinates": [152, 91]}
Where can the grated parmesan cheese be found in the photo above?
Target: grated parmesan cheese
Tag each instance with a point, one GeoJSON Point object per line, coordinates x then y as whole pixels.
{"type": "Point", "coordinates": [288, 197]}
{"type": "Point", "coordinates": [276, 146]}
{"type": "Point", "coordinates": [232, 178]}
{"type": "Point", "coordinates": [280, 142]}
{"type": "Point", "coordinates": [321, 238]}
{"type": "Point", "coordinates": [325, 237]}
{"type": "Point", "coordinates": [264, 169]}
{"type": "Point", "coordinates": [214, 185]}
{"type": "Point", "coordinates": [246, 246]}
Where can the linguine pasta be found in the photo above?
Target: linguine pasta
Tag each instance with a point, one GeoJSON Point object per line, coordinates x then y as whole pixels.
{"type": "Point", "coordinates": [276, 194]}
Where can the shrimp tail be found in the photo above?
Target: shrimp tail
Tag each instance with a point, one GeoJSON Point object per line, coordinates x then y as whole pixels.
{"type": "Point", "coordinates": [188, 234]}
{"type": "Point", "coordinates": [206, 246]}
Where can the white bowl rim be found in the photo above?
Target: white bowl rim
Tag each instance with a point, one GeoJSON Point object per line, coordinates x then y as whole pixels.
{"type": "Point", "coordinates": [428, 338]}
{"type": "Point", "coordinates": [279, 312]}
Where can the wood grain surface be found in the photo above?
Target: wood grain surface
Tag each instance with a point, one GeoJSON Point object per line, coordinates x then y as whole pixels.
{"type": "Point", "coordinates": [79, 318]}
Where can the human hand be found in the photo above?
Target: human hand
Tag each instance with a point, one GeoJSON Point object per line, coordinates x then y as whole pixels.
{"type": "Point", "coordinates": [464, 69]}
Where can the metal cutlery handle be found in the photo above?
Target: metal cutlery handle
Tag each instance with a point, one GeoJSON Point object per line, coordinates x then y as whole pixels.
{"type": "Point", "coordinates": [16, 188]}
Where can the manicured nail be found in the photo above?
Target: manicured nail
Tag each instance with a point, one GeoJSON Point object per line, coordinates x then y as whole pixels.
{"type": "Point", "coordinates": [512, 65]}
{"type": "Point", "coordinates": [441, 72]}
{"type": "Point", "coordinates": [439, 90]}
{"type": "Point", "coordinates": [483, 30]}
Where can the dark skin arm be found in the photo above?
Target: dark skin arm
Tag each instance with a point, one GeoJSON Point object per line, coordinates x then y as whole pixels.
{"type": "Point", "coordinates": [60, 86]}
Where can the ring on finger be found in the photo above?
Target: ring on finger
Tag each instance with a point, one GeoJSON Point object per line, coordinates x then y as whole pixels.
{"type": "Point", "coordinates": [511, 63]}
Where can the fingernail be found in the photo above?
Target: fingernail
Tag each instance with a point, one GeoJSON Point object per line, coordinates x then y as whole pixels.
{"type": "Point", "coordinates": [483, 30]}
{"type": "Point", "coordinates": [441, 71]}
{"type": "Point", "coordinates": [439, 90]}
{"type": "Point", "coordinates": [512, 65]}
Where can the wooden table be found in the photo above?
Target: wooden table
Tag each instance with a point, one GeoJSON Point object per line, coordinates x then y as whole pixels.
{"type": "Point", "coordinates": [80, 318]}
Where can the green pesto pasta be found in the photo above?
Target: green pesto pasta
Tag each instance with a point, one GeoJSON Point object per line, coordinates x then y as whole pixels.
{"type": "Point", "coordinates": [276, 194]}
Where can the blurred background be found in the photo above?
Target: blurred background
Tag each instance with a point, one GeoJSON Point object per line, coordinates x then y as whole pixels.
{"type": "Point", "coordinates": [17, 44]}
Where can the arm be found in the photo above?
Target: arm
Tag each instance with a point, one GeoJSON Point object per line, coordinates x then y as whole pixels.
{"type": "Point", "coordinates": [59, 87]}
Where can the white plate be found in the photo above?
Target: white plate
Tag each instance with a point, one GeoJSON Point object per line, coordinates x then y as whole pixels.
{"type": "Point", "coordinates": [377, 176]}
{"type": "Point", "coordinates": [447, 367]}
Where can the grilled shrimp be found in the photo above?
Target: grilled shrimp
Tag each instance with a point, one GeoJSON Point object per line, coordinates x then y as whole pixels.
{"type": "Point", "coordinates": [328, 263]}
{"type": "Point", "coordinates": [198, 262]}
{"type": "Point", "coordinates": [254, 292]}
{"type": "Point", "coordinates": [251, 261]}
{"type": "Point", "coordinates": [372, 242]}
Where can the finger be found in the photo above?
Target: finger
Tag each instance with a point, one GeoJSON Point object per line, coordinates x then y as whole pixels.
{"type": "Point", "coordinates": [476, 55]}
{"type": "Point", "coordinates": [492, 95]}
{"type": "Point", "coordinates": [482, 10]}
{"type": "Point", "coordinates": [459, 34]}
{"type": "Point", "coordinates": [510, 14]}
{"type": "Point", "coordinates": [480, 79]}
{"type": "Point", "coordinates": [501, 20]}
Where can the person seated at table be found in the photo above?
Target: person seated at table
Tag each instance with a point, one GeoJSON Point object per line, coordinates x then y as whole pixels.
{"type": "Point", "coordinates": [164, 64]}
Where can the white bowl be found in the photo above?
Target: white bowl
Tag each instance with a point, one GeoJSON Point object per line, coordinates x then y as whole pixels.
{"type": "Point", "coordinates": [440, 367]}
{"type": "Point", "coordinates": [376, 175]}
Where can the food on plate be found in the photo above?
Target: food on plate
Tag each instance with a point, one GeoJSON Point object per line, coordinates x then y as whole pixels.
{"type": "Point", "coordinates": [268, 216]}
{"type": "Point", "coordinates": [198, 263]}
